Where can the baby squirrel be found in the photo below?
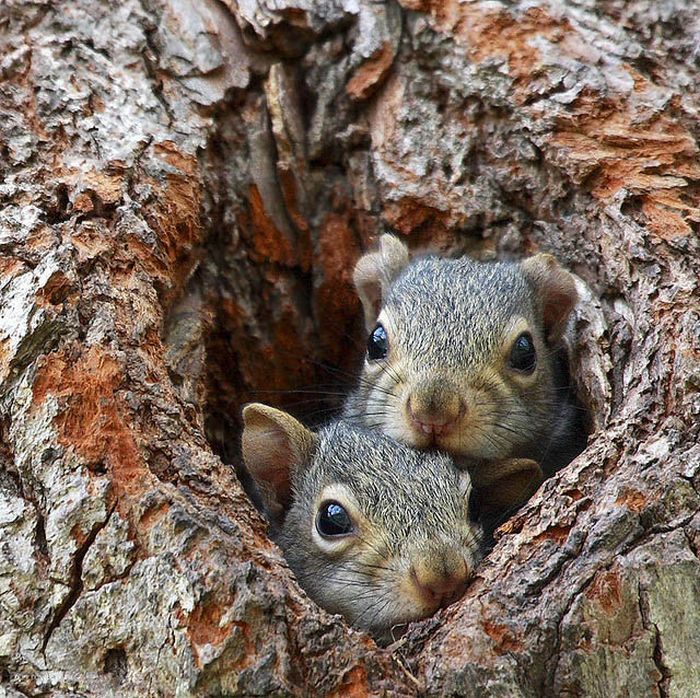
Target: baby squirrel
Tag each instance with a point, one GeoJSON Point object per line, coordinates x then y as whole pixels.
{"type": "Point", "coordinates": [466, 356]}
{"type": "Point", "coordinates": [374, 530]}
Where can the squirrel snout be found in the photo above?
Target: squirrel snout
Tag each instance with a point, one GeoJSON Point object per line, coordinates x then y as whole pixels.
{"type": "Point", "coordinates": [440, 576]}
{"type": "Point", "coordinates": [434, 407]}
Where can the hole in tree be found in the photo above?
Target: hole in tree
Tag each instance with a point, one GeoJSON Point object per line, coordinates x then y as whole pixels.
{"type": "Point", "coordinates": [116, 664]}
{"type": "Point", "coordinates": [271, 314]}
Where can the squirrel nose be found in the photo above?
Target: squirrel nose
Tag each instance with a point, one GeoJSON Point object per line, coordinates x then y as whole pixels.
{"type": "Point", "coordinates": [440, 575]}
{"type": "Point", "coordinates": [434, 406]}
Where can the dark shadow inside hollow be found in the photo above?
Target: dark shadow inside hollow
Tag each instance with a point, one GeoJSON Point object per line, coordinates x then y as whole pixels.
{"type": "Point", "coordinates": [270, 314]}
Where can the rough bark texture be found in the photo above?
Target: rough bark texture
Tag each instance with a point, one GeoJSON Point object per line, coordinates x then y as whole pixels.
{"type": "Point", "coordinates": [185, 188]}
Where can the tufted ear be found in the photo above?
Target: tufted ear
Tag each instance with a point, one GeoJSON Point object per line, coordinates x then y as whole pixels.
{"type": "Point", "coordinates": [275, 446]}
{"type": "Point", "coordinates": [557, 291]}
{"type": "Point", "coordinates": [506, 484]}
{"type": "Point", "coordinates": [375, 272]}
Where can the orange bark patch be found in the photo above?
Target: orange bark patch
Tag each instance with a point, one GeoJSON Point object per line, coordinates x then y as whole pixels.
{"type": "Point", "coordinates": [181, 225]}
{"type": "Point", "coordinates": [11, 266]}
{"type": "Point", "coordinates": [611, 141]}
{"type": "Point", "coordinates": [632, 499]}
{"type": "Point", "coordinates": [338, 247]}
{"type": "Point", "coordinates": [499, 34]}
{"type": "Point", "coordinates": [407, 215]}
{"type": "Point", "coordinates": [152, 516]}
{"type": "Point", "coordinates": [82, 203]}
{"type": "Point", "coordinates": [93, 191]}
{"type": "Point", "coordinates": [614, 144]}
{"type": "Point", "coordinates": [665, 215]}
{"type": "Point", "coordinates": [92, 420]}
{"type": "Point", "coordinates": [371, 73]}
{"type": "Point", "coordinates": [290, 195]}
{"type": "Point", "coordinates": [204, 624]}
{"type": "Point", "coordinates": [559, 534]}
{"type": "Point", "coordinates": [90, 242]}
{"type": "Point", "coordinates": [56, 289]}
{"type": "Point", "coordinates": [605, 590]}
{"type": "Point", "coordinates": [269, 243]}
{"type": "Point", "coordinates": [354, 684]}
{"type": "Point", "coordinates": [614, 148]}
{"type": "Point", "coordinates": [514, 524]}
{"type": "Point", "coordinates": [5, 358]}
{"type": "Point", "coordinates": [493, 33]}
{"type": "Point", "coordinates": [107, 187]}
{"type": "Point", "coordinates": [41, 238]}
{"type": "Point", "coordinates": [575, 494]}
{"type": "Point", "coordinates": [204, 628]}
{"type": "Point", "coordinates": [168, 151]}
{"type": "Point", "coordinates": [504, 639]}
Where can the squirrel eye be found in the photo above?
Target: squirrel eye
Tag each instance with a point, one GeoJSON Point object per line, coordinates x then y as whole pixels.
{"type": "Point", "coordinates": [522, 356]}
{"type": "Point", "coordinates": [377, 344]}
{"type": "Point", "coordinates": [333, 520]}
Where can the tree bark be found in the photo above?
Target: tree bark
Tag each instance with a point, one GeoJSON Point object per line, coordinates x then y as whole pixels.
{"type": "Point", "coordinates": [185, 189]}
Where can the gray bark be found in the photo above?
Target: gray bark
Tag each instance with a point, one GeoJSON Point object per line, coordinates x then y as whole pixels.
{"type": "Point", "coordinates": [185, 188]}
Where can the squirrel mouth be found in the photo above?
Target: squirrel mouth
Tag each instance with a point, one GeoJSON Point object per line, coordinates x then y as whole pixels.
{"type": "Point", "coordinates": [430, 434]}
{"type": "Point", "coordinates": [431, 429]}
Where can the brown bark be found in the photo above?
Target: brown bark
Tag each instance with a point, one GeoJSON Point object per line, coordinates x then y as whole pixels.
{"type": "Point", "coordinates": [185, 188]}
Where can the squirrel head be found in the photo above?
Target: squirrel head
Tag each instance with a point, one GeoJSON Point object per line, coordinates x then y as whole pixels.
{"type": "Point", "coordinates": [459, 354]}
{"type": "Point", "coordinates": [373, 529]}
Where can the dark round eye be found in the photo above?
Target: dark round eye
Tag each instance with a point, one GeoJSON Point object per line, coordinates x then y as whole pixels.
{"type": "Point", "coordinates": [522, 356]}
{"type": "Point", "coordinates": [333, 520]}
{"type": "Point", "coordinates": [377, 344]}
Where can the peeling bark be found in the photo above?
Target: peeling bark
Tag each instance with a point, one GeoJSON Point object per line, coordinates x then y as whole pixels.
{"type": "Point", "coordinates": [185, 188]}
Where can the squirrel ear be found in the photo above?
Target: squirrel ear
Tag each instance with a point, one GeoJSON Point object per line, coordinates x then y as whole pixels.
{"type": "Point", "coordinates": [275, 446]}
{"type": "Point", "coordinates": [557, 290]}
{"type": "Point", "coordinates": [507, 484]}
{"type": "Point", "coordinates": [375, 272]}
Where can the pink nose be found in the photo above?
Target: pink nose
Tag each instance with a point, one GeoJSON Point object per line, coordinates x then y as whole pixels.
{"type": "Point", "coordinates": [434, 419]}
{"type": "Point", "coordinates": [440, 576]}
{"type": "Point", "coordinates": [429, 425]}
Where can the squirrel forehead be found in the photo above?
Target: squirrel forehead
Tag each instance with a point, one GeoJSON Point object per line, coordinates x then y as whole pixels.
{"type": "Point", "coordinates": [457, 306]}
{"type": "Point", "coordinates": [387, 478]}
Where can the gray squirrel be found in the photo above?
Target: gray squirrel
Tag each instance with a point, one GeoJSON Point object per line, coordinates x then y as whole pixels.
{"type": "Point", "coordinates": [466, 357]}
{"type": "Point", "coordinates": [373, 529]}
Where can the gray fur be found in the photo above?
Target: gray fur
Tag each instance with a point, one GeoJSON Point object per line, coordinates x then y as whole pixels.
{"type": "Point", "coordinates": [403, 490]}
{"type": "Point", "coordinates": [460, 307]}
{"type": "Point", "coordinates": [413, 545]}
{"type": "Point", "coordinates": [417, 502]}
{"type": "Point", "coordinates": [449, 320]}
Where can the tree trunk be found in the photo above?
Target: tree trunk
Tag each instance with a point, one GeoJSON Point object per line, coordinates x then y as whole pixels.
{"type": "Point", "coordinates": [185, 189]}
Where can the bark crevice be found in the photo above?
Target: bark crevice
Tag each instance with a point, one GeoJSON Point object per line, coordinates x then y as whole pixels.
{"type": "Point", "coordinates": [76, 580]}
